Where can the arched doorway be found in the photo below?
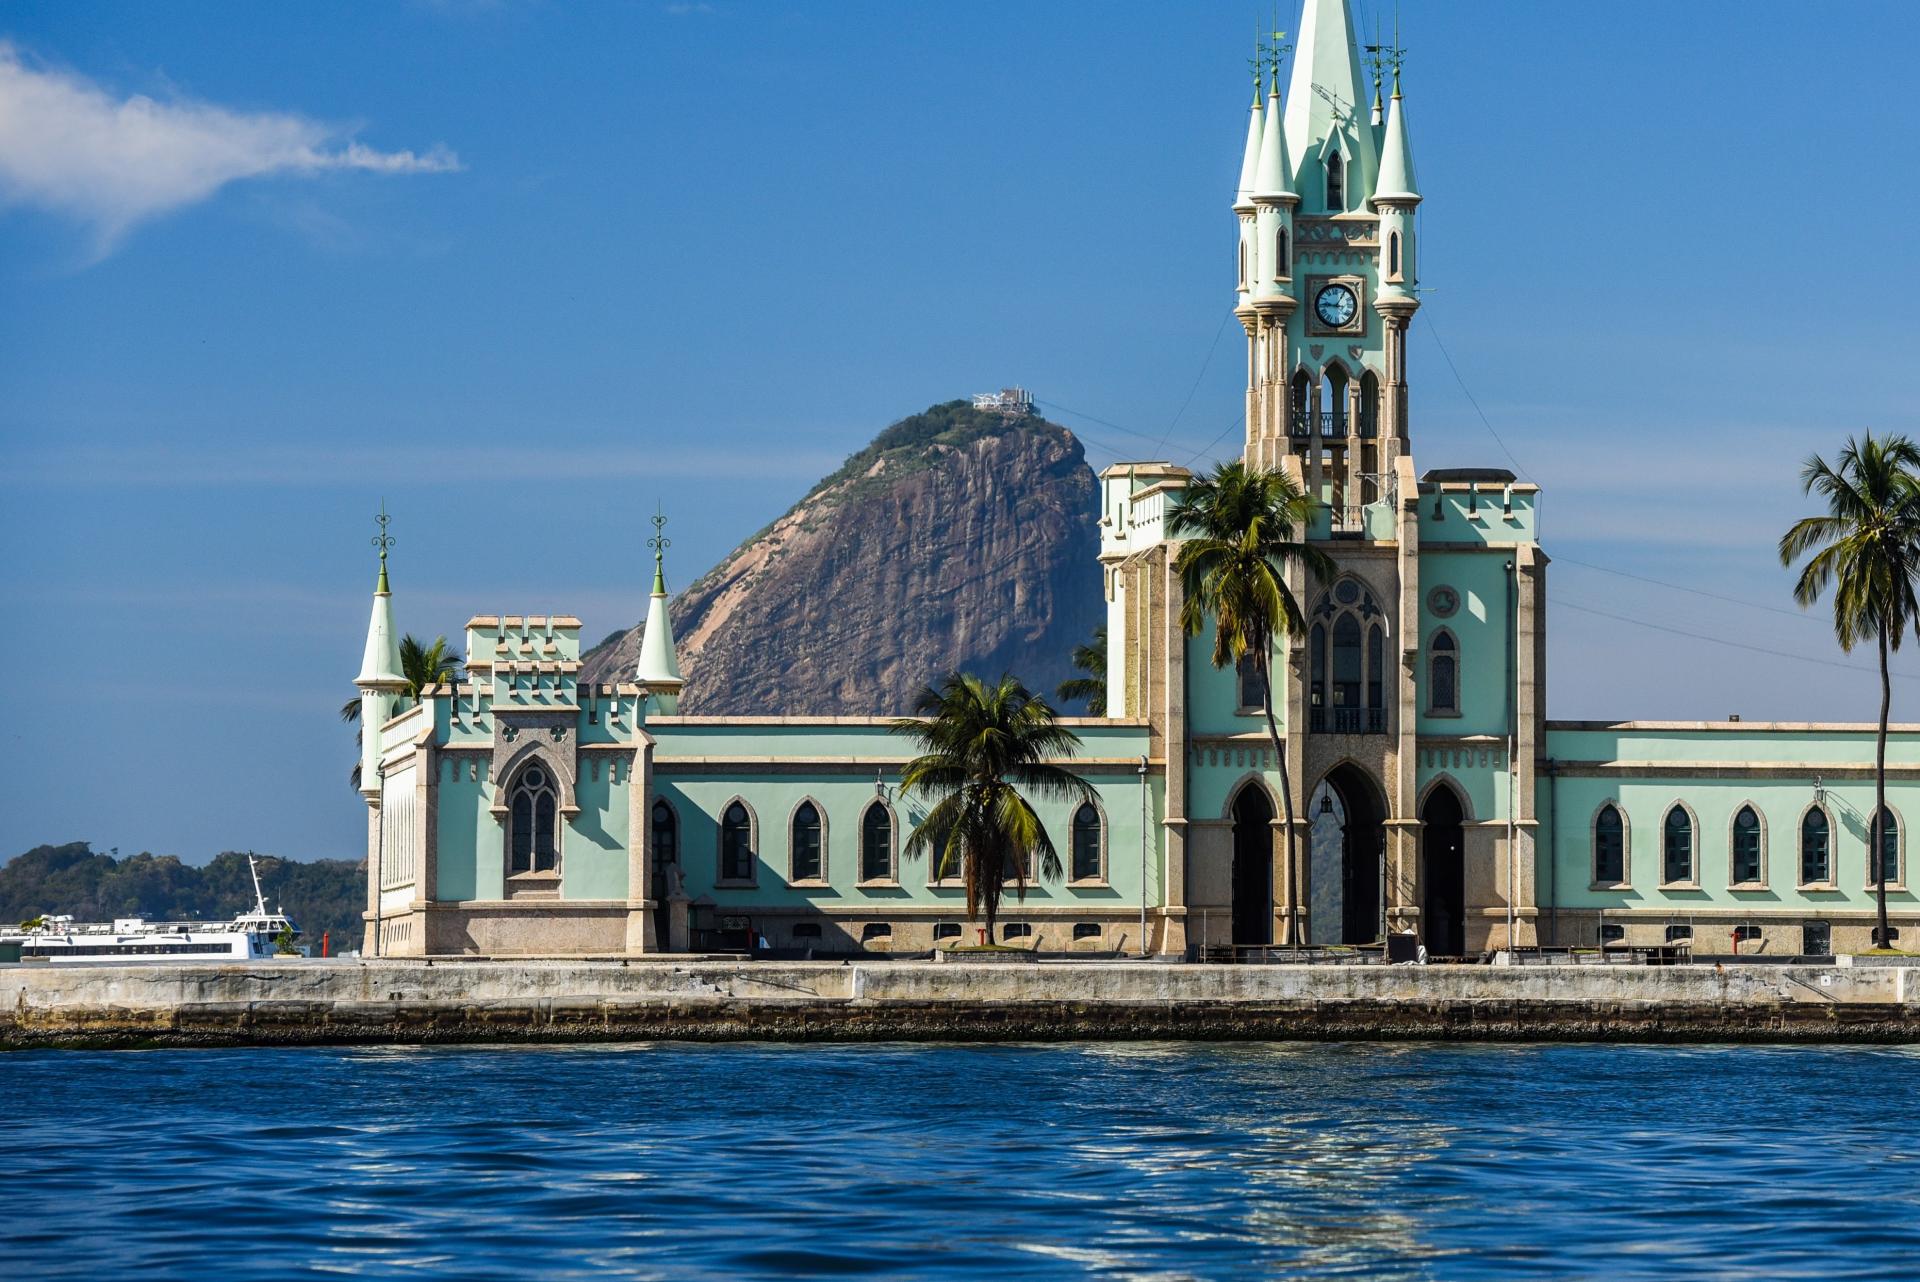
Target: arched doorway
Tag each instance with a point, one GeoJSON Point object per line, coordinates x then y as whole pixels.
{"type": "Point", "coordinates": [1348, 825]}
{"type": "Point", "coordinates": [1443, 875]}
{"type": "Point", "coordinates": [1252, 867]}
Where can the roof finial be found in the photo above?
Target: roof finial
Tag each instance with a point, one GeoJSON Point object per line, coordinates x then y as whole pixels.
{"type": "Point", "coordinates": [1259, 60]}
{"type": "Point", "coordinates": [383, 541]}
{"type": "Point", "coordinates": [1381, 55]}
{"type": "Point", "coordinates": [1276, 49]}
{"type": "Point", "coordinates": [659, 543]}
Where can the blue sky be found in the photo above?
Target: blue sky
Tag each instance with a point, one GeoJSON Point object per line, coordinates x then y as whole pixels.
{"type": "Point", "coordinates": [524, 269]}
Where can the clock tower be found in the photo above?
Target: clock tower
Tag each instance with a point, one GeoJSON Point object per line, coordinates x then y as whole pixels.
{"type": "Point", "coordinates": [1326, 269]}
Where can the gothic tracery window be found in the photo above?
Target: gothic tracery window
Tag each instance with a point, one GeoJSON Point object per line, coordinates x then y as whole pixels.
{"type": "Point", "coordinates": [1889, 862]}
{"type": "Point", "coordinates": [533, 828]}
{"type": "Point", "coordinates": [1677, 846]}
{"type": "Point", "coordinates": [1347, 661]}
{"type": "Point", "coordinates": [736, 844]}
{"type": "Point", "coordinates": [876, 844]}
{"type": "Point", "coordinates": [1609, 847]}
{"type": "Point", "coordinates": [809, 861]}
{"type": "Point", "coordinates": [666, 834]}
{"type": "Point", "coordinates": [1746, 847]}
{"type": "Point", "coordinates": [1086, 844]}
{"type": "Point", "coordinates": [1816, 864]}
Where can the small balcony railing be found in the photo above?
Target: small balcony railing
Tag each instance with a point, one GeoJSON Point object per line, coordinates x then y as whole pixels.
{"type": "Point", "coordinates": [1332, 425]}
{"type": "Point", "coordinates": [1348, 721]}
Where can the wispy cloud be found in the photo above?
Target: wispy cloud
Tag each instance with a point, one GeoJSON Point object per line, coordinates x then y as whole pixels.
{"type": "Point", "coordinates": [69, 146]}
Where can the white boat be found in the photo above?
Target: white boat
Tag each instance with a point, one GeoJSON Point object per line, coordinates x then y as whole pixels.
{"type": "Point", "coordinates": [257, 935]}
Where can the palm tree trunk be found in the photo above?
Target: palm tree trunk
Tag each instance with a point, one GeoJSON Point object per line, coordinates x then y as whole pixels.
{"type": "Point", "coordinates": [1286, 796]}
{"type": "Point", "coordinates": [1877, 854]}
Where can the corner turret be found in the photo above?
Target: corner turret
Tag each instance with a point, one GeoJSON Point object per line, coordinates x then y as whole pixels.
{"type": "Point", "coordinates": [381, 681]}
{"type": "Point", "coordinates": [658, 671]}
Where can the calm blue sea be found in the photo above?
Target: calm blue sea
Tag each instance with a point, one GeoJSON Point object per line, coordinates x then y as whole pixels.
{"type": "Point", "coordinates": [1124, 1161]}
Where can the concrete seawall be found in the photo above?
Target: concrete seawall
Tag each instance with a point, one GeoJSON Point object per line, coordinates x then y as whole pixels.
{"type": "Point", "coordinates": [372, 1002]}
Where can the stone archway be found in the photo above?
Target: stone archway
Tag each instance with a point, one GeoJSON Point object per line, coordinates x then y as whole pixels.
{"type": "Point", "coordinates": [1443, 874]}
{"type": "Point", "coordinates": [1347, 818]}
{"type": "Point", "coordinates": [1252, 867]}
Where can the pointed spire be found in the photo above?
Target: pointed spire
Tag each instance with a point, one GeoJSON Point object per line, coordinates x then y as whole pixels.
{"type": "Point", "coordinates": [1251, 159]}
{"type": "Point", "coordinates": [1396, 155]}
{"type": "Point", "coordinates": [659, 666]}
{"type": "Point", "coordinates": [380, 662]}
{"type": "Point", "coordinates": [1324, 96]}
{"type": "Point", "coordinates": [1272, 177]}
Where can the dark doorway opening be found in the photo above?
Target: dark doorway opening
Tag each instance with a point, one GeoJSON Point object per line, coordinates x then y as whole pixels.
{"type": "Point", "coordinates": [1443, 875]}
{"type": "Point", "coordinates": [1362, 843]}
{"type": "Point", "coordinates": [1252, 867]}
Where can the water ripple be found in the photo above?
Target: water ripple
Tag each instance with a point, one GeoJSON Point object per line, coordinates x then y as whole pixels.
{"type": "Point", "coordinates": [1153, 1161]}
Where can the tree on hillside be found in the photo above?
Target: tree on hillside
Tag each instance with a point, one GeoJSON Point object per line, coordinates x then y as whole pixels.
{"type": "Point", "coordinates": [1867, 549]}
{"type": "Point", "coordinates": [980, 746]}
{"type": "Point", "coordinates": [1244, 529]}
{"type": "Point", "coordinates": [422, 666]}
{"type": "Point", "coordinates": [1092, 660]}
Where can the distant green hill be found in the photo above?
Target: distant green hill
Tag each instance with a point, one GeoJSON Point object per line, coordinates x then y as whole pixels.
{"type": "Point", "coordinates": [324, 895]}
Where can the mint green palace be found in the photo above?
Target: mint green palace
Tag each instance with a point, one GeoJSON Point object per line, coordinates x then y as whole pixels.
{"type": "Point", "coordinates": [524, 813]}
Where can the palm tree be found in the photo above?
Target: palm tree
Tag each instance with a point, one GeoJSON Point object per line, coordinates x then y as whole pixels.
{"type": "Point", "coordinates": [422, 666]}
{"type": "Point", "coordinates": [1240, 526]}
{"type": "Point", "coordinates": [1092, 660]}
{"type": "Point", "coordinates": [980, 745]}
{"type": "Point", "coordinates": [1869, 553]}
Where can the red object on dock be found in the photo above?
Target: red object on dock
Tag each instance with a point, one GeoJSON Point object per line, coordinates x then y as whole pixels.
{"type": "Point", "coordinates": [325, 937]}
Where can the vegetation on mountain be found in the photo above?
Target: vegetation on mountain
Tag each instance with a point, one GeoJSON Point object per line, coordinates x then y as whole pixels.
{"type": "Point", "coordinates": [1244, 528]}
{"type": "Point", "coordinates": [324, 895]}
{"type": "Point", "coordinates": [980, 745]}
{"type": "Point", "coordinates": [1867, 549]}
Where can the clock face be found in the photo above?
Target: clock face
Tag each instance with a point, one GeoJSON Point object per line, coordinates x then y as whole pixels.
{"type": "Point", "coordinates": [1335, 306]}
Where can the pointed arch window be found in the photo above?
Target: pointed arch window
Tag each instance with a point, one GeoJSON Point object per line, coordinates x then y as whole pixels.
{"type": "Point", "coordinates": [1677, 846]}
{"type": "Point", "coordinates": [1888, 865]}
{"type": "Point", "coordinates": [1302, 390]}
{"type": "Point", "coordinates": [1336, 181]}
{"type": "Point", "coordinates": [1746, 847]}
{"type": "Point", "coordinates": [1346, 662]}
{"type": "Point", "coordinates": [1443, 675]}
{"type": "Point", "coordinates": [533, 827]}
{"type": "Point", "coordinates": [1089, 841]}
{"type": "Point", "coordinates": [808, 852]}
{"type": "Point", "coordinates": [1370, 418]}
{"type": "Point", "coordinates": [1393, 255]}
{"type": "Point", "coordinates": [736, 844]}
{"type": "Point", "coordinates": [1816, 845]}
{"type": "Point", "coordinates": [1243, 262]}
{"type": "Point", "coordinates": [876, 844]}
{"type": "Point", "coordinates": [1280, 264]}
{"type": "Point", "coordinates": [1609, 847]}
{"type": "Point", "coordinates": [666, 834]}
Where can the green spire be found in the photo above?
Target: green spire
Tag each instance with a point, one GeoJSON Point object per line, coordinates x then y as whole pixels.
{"type": "Point", "coordinates": [383, 541]}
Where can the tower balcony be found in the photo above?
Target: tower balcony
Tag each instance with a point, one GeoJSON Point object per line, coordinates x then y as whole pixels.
{"type": "Point", "coordinates": [1329, 425]}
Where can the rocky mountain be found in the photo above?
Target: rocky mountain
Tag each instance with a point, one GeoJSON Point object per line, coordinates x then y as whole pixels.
{"type": "Point", "coordinates": [959, 538]}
